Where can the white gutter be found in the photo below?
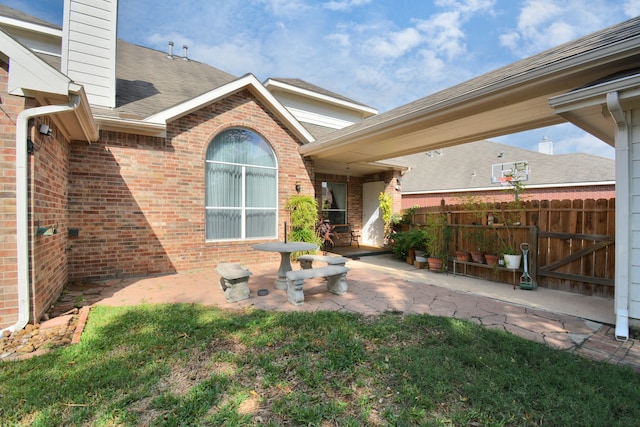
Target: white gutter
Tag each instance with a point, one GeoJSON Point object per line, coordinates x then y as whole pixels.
{"type": "Point", "coordinates": [22, 211]}
{"type": "Point", "coordinates": [623, 215]}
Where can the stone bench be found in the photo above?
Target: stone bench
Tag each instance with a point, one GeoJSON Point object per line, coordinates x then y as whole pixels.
{"type": "Point", "coordinates": [336, 281]}
{"type": "Point", "coordinates": [306, 261]}
{"type": "Point", "coordinates": [234, 280]}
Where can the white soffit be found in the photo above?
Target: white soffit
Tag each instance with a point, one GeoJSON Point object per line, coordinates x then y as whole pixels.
{"type": "Point", "coordinates": [586, 107]}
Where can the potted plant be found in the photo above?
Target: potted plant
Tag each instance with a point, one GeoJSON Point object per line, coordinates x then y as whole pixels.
{"type": "Point", "coordinates": [437, 242]}
{"type": "Point", "coordinates": [407, 242]}
{"type": "Point", "coordinates": [483, 242]}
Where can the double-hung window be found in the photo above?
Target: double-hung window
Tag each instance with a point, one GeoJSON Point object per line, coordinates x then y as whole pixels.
{"type": "Point", "coordinates": [241, 175]}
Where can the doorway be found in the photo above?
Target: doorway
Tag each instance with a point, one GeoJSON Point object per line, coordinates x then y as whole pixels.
{"type": "Point", "coordinates": [372, 224]}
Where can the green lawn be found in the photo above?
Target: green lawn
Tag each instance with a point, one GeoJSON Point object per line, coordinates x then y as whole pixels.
{"type": "Point", "coordinates": [193, 365]}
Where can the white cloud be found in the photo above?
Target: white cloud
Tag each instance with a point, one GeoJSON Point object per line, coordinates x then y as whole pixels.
{"type": "Point", "coordinates": [395, 44]}
{"type": "Point", "coordinates": [543, 24]}
{"type": "Point", "coordinates": [444, 33]}
{"type": "Point", "coordinates": [584, 143]}
{"type": "Point", "coordinates": [631, 8]}
{"type": "Point", "coordinates": [467, 6]}
{"type": "Point", "coordinates": [344, 5]}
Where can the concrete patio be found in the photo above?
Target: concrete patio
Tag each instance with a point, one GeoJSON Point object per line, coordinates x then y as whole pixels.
{"type": "Point", "coordinates": [574, 323]}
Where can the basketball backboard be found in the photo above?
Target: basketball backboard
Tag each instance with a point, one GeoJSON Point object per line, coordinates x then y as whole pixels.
{"type": "Point", "coordinates": [505, 173]}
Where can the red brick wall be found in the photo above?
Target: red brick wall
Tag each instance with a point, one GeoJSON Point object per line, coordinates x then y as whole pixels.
{"type": "Point", "coordinates": [571, 193]}
{"type": "Point", "coordinates": [8, 278]}
{"type": "Point", "coordinates": [139, 201]}
{"type": "Point", "coordinates": [49, 172]}
{"type": "Point", "coordinates": [47, 198]}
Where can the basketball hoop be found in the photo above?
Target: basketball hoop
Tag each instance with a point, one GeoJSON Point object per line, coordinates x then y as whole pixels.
{"type": "Point", "coordinates": [505, 180]}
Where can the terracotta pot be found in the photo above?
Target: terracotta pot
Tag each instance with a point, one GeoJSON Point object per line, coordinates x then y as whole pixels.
{"type": "Point", "coordinates": [435, 264]}
{"type": "Point", "coordinates": [477, 256]}
{"type": "Point", "coordinates": [411, 256]}
{"type": "Point", "coordinates": [463, 256]}
{"type": "Point", "coordinates": [491, 259]}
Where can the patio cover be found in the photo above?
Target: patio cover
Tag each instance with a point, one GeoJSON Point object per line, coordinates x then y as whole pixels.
{"type": "Point", "coordinates": [508, 100]}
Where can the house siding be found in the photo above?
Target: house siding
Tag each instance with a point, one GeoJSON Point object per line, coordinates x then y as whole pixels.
{"type": "Point", "coordinates": [634, 221]}
{"type": "Point", "coordinates": [139, 201]}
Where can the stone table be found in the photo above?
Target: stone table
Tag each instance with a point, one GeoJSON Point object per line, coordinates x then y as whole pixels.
{"type": "Point", "coordinates": [285, 250]}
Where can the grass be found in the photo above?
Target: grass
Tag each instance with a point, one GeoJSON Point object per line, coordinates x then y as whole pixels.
{"type": "Point", "coordinates": [174, 365]}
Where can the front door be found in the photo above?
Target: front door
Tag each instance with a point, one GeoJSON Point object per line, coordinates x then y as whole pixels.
{"type": "Point", "coordinates": [372, 224]}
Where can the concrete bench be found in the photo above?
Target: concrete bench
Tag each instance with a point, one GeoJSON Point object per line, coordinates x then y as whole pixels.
{"type": "Point", "coordinates": [306, 261]}
{"type": "Point", "coordinates": [336, 281]}
{"type": "Point", "coordinates": [234, 280]}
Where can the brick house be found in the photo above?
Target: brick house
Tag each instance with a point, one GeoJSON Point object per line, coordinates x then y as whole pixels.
{"type": "Point", "coordinates": [107, 157]}
{"type": "Point", "coordinates": [119, 160]}
{"type": "Point", "coordinates": [452, 173]}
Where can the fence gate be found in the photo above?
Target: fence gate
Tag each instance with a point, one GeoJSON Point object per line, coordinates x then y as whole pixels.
{"type": "Point", "coordinates": [582, 263]}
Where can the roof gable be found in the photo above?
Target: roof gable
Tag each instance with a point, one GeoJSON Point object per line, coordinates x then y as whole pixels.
{"type": "Point", "coordinates": [27, 73]}
{"type": "Point", "coordinates": [248, 82]}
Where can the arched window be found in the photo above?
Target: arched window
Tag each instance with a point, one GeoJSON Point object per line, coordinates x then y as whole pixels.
{"type": "Point", "coordinates": [241, 187]}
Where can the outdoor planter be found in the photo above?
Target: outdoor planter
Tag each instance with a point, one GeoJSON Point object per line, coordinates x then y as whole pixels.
{"type": "Point", "coordinates": [491, 259]}
{"type": "Point", "coordinates": [435, 264]}
{"type": "Point", "coordinates": [463, 256]}
{"type": "Point", "coordinates": [477, 256]}
{"type": "Point", "coordinates": [512, 261]}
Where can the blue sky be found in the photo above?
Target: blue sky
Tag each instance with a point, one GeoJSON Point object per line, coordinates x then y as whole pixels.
{"type": "Point", "coordinates": [383, 53]}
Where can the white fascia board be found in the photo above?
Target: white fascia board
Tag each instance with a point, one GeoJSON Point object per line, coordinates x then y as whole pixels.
{"type": "Point", "coordinates": [321, 97]}
{"type": "Point", "coordinates": [139, 127]}
{"type": "Point", "coordinates": [36, 28]}
{"type": "Point", "coordinates": [628, 87]}
{"type": "Point", "coordinates": [247, 82]}
{"type": "Point", "coordinates": [30, 73]}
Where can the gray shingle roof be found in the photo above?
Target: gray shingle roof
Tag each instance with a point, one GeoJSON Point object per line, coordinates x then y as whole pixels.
{"type": "Point", "coordinates": [468, 166]}
{"type": "Point", "coordinates": [149, 81]}
{"type": "Point", "coordinates": [21, 16]}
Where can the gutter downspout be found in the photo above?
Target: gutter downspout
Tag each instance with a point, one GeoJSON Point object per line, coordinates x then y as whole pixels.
{"type": "Point", "coordinates": [623, 215]}
{"type": "Point", "coordinates": [22, 211]}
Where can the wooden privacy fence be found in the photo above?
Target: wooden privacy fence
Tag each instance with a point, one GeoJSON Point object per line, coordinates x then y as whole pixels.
{"type": "Point", "coordinates": [572, 242]}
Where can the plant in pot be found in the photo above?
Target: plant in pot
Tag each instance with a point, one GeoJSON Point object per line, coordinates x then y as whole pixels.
{"type": "Point", "coordinates": [406, 243]}
{"type": "Point", "coordinates": [483, 241]}
{"type": "Point", "coordinates": [437, 242]}
{"type": "Point", "coordinates": [511, 213]}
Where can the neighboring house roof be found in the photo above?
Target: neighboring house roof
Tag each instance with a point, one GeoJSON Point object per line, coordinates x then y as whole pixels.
{"type": "Point", "coordinates": [510, 99]}
{"type": "Point", "coordinates": [468, 167]}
